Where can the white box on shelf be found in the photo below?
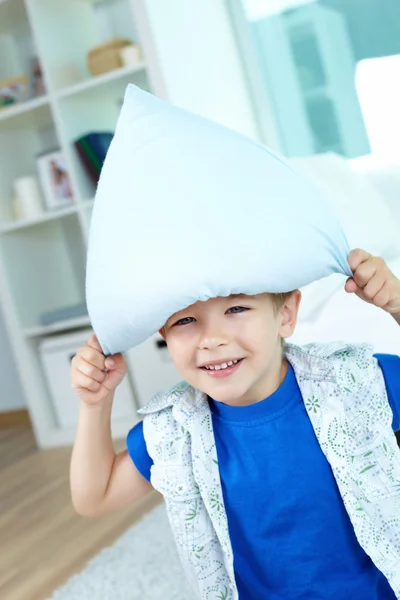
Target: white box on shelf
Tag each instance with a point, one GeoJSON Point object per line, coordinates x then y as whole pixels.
{"type": "Point", "coordinates": [56, 355]}
{"type": "Point", "coordinates": [152, 368]}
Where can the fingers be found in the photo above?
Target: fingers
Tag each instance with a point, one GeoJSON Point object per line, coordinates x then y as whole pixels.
{"type": "Point", "coordinates": [351, 286]}
{"type": "Point", "coordinates": [115, 362]}
{"type": "Point", "coordinates": [356, 257]}
{"type": "Point", "coordinates": [370, 278]}
{"type": "Point", "coordinates": [364, 273]}
{"type": "Point", "coordinates": [90, 370]}
{"type": "Point", "coordinates": [373, 281]}
{"type": "Point", "coordinates": [92, 375]}
{"type": "Point", "coordinates": [88, 366]}
{"type": "Point", "coordinates": [87, 383]}
{"type": "Point", "coordinates": [370, 271]}
{"type": "Point", "coordinates": [93, 342]}
{"type": "Point", "coordinates": [374, 285]}
{"type": "Point", "coordinates": [111, 362]}
{"type": "Point", "coordinates": [382, 298]}
{"type": "Point", "coordinates": [92, 356]}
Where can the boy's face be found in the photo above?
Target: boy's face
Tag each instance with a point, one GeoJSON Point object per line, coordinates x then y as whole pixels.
{"type": "Point", "coordinates": [240, 336]}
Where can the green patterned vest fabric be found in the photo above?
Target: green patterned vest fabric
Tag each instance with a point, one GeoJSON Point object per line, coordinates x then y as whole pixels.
{"type": "Point", "coordinates": [345, 396]}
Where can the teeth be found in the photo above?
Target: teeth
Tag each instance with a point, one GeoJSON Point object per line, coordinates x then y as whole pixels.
{"type": "Point", "coordinates": [222, 366]}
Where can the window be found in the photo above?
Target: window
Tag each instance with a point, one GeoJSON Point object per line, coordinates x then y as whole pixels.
{"type": "Point", "coordinates": [328, 69]}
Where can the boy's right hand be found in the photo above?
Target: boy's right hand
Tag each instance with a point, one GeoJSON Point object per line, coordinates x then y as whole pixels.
{"type": "Point", "coordinates": [88, 378]}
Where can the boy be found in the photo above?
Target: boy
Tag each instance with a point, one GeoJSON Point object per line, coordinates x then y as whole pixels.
{"type": "Point", "coordinates": [240, 451]}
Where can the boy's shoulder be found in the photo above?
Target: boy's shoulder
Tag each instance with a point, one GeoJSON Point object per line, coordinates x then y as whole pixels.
{"type": "Point", "coordinates": [333, 361]}
{"type": "Point", "coordinates": [330, 350]}
{"type": "Point", "coordinates": [324, 357]}
{"type": "Point", "coordinates": [351, 365]}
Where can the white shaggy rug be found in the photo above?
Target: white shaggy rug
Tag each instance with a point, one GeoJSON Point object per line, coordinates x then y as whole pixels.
{"type": "Point", "coordinates": [142, 564]}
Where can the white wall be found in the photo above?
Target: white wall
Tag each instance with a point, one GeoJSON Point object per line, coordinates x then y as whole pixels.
{"type": "Point", "coordinates": [11, 395]}
{"type": "Point", "coordinates": [199, 61]}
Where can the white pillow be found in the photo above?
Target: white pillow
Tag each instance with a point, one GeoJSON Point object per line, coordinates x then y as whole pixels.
{"type": "Point", "coordinates": [187, 210]}
{"type": "Point", "coordinates": [363, 212]}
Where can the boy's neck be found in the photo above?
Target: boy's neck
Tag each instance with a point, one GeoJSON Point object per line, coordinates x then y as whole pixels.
{"type": "Point", "coordinates": [266, 388]}
{"type": "Point", "coordinates": [274, 382]}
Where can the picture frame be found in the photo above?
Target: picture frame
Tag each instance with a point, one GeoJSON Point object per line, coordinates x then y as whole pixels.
{"type": "Point", "coordinates": [54, 179]}
{"type": "Point", "coordinates": [13, 90]}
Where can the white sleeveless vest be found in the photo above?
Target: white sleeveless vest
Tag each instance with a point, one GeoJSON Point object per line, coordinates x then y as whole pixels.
{"type": "Point", "coordinates": [345, 396]}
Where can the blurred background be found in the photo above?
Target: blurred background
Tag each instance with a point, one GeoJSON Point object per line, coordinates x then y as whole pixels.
{"type": "Point", "coordinates": [316, 80]}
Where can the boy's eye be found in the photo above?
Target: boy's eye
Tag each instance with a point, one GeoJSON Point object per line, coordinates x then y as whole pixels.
{"type": "Point", "coordinates": [188, 320]}
{"type": "Point", "coordinates": [184, 321]}
{"type": "Point", "coordinates": [238, 309]}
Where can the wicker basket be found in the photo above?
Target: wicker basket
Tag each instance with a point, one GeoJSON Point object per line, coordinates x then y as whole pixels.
{"type": "Point", "coordinates": [106, 57]}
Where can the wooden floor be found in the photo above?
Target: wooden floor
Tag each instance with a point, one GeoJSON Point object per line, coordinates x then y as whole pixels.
{"type": "Point", "coordinates": [42, 541]}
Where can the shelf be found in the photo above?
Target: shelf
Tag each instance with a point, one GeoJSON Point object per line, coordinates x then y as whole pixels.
{"type": "Point", "coordinates": [17, 110]}
{"type": "Point", "coordinates": [47, 216]}
{"type": "Point", "coordinates": [43, 259]}
{"type": "Point", "coordinates": [65, 58]}
{"type": "Point", "coordinates": [56, 327]}
{"type": "Point", "coordinates": [31, 115]}
{"type": "Point", "coordinates": [89, 84]}
{"type": "Point", "coordinates": [95, 109]}
{"type": "Point", "coordinates": [21, 139]}
{"type": "Point", "coordinates": [45, 268]}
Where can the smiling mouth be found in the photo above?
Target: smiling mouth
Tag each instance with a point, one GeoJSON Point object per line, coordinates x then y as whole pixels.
{"type": "Point", "coordinates": [223, 367]}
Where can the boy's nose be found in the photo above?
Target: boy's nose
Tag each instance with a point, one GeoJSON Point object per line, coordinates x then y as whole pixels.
{"type": "Point", "coordinates": [210, 343]}
{"type": "Point", "coordinates": [213, 338]}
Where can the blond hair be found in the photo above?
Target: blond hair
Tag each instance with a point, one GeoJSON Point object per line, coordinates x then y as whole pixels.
{"type": "Point", "coordinates": [278, 301]}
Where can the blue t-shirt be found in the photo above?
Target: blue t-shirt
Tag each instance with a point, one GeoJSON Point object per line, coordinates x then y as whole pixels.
{"type": "Point", "coordinates": [291, 536]}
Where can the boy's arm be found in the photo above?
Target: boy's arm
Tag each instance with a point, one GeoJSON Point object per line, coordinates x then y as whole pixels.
{"type": "Point", "coordinates": [101, 481]}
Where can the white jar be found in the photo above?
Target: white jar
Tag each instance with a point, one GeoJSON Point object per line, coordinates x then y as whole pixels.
{"type": "Point", "coordinates": [28, 203]}
{"type": "Point", "coordinates": [131, 55]}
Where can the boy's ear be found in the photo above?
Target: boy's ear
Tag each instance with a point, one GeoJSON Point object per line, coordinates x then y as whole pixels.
{"type": "Point", "coordinates": [162, 333]}
{"type": "Point", "coordinates": [289, 313]}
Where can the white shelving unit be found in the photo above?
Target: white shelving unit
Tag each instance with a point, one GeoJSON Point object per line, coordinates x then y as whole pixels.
{"type": "Point", "coordinates": [190, 58]}
{"type": "Point", "coordinates": [42, 261]}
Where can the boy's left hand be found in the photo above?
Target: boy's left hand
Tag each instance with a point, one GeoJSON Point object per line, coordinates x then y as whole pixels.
{"type": "Point", "coordinates": [373, 281]}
